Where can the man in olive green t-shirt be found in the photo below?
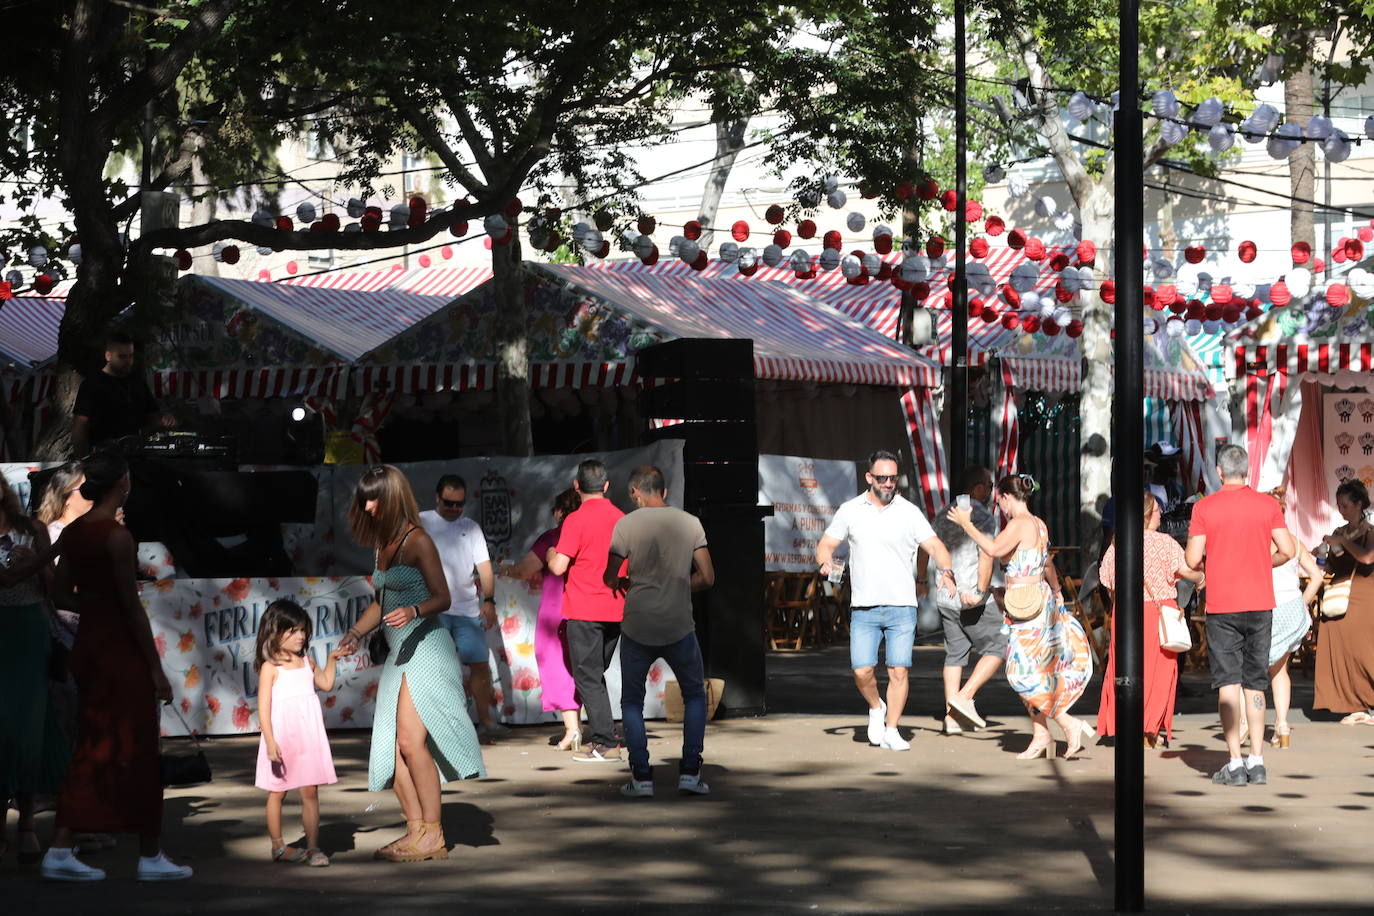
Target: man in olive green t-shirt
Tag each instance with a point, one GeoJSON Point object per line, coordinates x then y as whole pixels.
{"type": "Point", "coordinates": [665, 549]}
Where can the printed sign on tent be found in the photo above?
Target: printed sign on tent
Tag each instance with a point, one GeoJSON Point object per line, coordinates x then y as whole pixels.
{"type": "Point", "coordinates": [805, 494]}
{"type": "Point", "coordinates": [1348, 433]}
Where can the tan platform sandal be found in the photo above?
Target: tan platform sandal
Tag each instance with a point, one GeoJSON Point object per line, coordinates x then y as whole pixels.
{"type": "Point", "coordinates": [386, 852]}
{"type": "Point", "coordinates": [419, 849]}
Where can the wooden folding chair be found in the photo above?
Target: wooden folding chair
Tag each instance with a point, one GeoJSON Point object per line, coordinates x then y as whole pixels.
{"type": "Point", "coordinates": [794, 615]}
{"type": "Point", "coordinates": [1198, 656]}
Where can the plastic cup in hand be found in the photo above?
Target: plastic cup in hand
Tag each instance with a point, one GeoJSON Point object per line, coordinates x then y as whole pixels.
{"type": "Point", "coordinates": [963, 501]}
{"type": "Point", "coordinates": [836, 572]}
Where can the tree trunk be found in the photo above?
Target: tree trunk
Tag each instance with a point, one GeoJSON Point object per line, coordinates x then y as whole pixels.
{"type": "Point", "coordinates": [1298, 106]}
{"type": "Point", "coordinates": [512, 347]}
{"type": "Point", "coordinates": [729, 141]}
{"type": "Point", "coordinates": [1168, 238]}
{"type": "Point", "coordinates": [1095, 425]}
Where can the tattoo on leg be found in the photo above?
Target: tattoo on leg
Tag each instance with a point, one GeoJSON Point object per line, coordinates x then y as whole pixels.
{"type": "Point", "coordinates": [1259, 701]}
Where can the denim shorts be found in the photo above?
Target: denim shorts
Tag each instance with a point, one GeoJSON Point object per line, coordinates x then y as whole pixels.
{"type": "Point", "coordinates": [469, 636]}
{"type": "Point", "coordinates": [1238, 648]}
{"type": "Point", "coordinates": [869, 626]}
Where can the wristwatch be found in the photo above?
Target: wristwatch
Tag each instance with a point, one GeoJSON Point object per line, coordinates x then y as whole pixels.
{"type": "Point", "coordinates": [491, 598]}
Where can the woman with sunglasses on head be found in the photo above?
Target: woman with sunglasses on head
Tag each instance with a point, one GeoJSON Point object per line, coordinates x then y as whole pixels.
{"type": "Point", "coordinates": [1049, 661]}
{"type": "Point", "coordinates": [62, 502]}
{"type": "Point", "coordinates": [421, 734]}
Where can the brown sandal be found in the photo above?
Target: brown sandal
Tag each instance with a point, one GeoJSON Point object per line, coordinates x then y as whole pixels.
{"type": "Point", "coordinates": [389, 849]}
{"type": "Point", "coordinates": [415, 852]}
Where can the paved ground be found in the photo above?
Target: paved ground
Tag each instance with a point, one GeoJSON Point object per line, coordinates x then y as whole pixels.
{"type": "Point", "coordinates": [804, 817]}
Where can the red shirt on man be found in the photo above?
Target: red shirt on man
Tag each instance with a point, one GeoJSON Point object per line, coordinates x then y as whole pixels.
{"type": "Point", "coordinates": [586, 539]}
{"type": "Point", "coordinates": [1238, 524]}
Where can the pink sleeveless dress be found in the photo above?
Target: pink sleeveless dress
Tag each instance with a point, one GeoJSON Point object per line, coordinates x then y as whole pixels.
{"type": "Point", "coordinates": [298, 727]}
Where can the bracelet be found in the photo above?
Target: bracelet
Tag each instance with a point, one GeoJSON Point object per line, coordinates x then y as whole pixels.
{"type": "Point", "coordinates": [491, 598]}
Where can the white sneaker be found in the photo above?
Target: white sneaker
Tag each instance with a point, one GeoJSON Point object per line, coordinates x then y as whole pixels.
{"type": "Point", "coordinates": [638, 788]}
{"type": "Point", "coordinates": [893, 741]}
{"type": "Point", "coordinates": [161, 868]}
{"type": "Point", "coordinates": [877, 724]}
{"type": "Point", "coordinates": [67, 867]}
{"type": "Point", "coordinates": [693, 783]}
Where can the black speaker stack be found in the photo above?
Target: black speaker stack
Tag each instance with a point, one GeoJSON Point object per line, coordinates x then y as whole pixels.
{"type": "Point", "coordinates": [709, 385]}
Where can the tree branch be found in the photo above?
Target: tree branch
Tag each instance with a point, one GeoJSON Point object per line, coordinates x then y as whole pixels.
{"type": "Point", "coordinates": [472, 137]}
{"type": "Point", "coordinates": [424, 126]}
{"type": "Point", "coordinates": [1046, 114]}
{"type": "Point", "coordinates": [172, 172]}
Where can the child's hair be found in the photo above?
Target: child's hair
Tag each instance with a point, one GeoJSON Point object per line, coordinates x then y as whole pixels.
{"type": "Point", "coordinates": [280, 618]}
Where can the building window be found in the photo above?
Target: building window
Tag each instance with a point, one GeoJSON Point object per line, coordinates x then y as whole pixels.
{"type": "Point", "coordinates": [320, 259]}
{"type": "Point", "coordinates": [319, 143]}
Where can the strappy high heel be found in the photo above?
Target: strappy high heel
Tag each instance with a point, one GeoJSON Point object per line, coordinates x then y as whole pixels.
{"type": "Point", "coordinates": [572, 741]}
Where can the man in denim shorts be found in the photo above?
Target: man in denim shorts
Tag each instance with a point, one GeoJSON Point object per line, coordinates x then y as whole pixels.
{"type": "Point", "coordinates": [884, 532]}
{"type": "Point", "coordinates": [1242, 534]}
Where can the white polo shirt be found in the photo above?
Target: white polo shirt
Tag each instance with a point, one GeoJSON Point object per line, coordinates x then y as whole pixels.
{"type": "Point", "coordinates": [461, 545]}
{"type": "Point", "coordinates": [882, 549]}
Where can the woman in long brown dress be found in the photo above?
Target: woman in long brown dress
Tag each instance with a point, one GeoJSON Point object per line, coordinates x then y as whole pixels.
{"type": "Point", "coordinates": [113, 783]}
{"type": "Point", "coordinates": [1345, 645]}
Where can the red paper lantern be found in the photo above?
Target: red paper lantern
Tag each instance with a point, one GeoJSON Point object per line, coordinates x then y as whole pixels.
{"type": "Point", "coordinates": [920, 289]}
{"type": "Point", "coordinates": [1318, 266]}
{"type": "Point", "coordinates": [647, 225]}
{"type": "Point", "coordinates": [1338, 254]}
{"type": "Point", "coordinates": [995, 225]}
{"type": "Point", "coordinates": [978, 248]}
{"type": "Point", "coordinates": [42, 284]}
{"type": "Point", "coordinates": [1301, 252]}
{"type": "Point", "coordinates": [317, 226]}
{"type": "Point", "coordinates": [284, 223]}
{"type": "Point", "coordinates": [774, 214]}
{"type": "Point", "coordinates": [1231, 315]}
{"type": "Point", "coordinates": [975, 308]}
{"type": "Point", "coordinates": [935, 246]}
{"type": "Point", "coordinates": [990, 315]}
{"type": "Point", "coordinates": [1035, 249]}
{"type": "Point", "coordinates": [183, 259]}
{"type": "Point", "coordinates": [1030, 324]}
{"type": "Point", "coordinates": [554, 243]}
{"type": "Point", "coordinates": [331, 222]}
{"type": "Point", "coordinates": [603, 220]}
{"type": "Point", "coordinates": [1194, 254]}
{"type": "Point", "coordinates": [1221, 293]}
{"type": "Point", "coordinates": [1180, 305]}
{"type": "Point", "coordinates": [1246, 251]}
{"type": "Point", "coordinates": [1354, 249]}
{"type": "Point", "coordinates": [1279, 294]}
{"type": "Point", "coordinates": [949, 200]}
{"type": "Point", "coordinates": [1059, 261]}
{"type": "Point", "coordinates": [1166, 294]}
{"type": "Point", "coordinates": [929, 189]}
{"type": "Point", "coordinates": [601, 251]}
{"type": "Point", "coordinates": [973, 211]}
{"type": "Point", "coordinates": [652, 259]}
{"type": "Point", "coordinates": [1062, 292]}
{"type": "Point", "coordinates": [514, 206]}
{"type": "Point", "coordinates": [1212, 313]}
{"type": "Point", "coordinates": [1087, 252]}
{"type": "Point", "coordinates": [1012, 297]}
{"type": "Point", "coordinates": [424, 260]}
{"type": "Point", "coordinates": [1075, 328]}
{"type": "Point", "coordinates": [691, 229]}
{"type": "Point", "coordinates": [1253, 312]}
{"type": "Point", "coordinates": [372, 222]}
{"type": "Point", "coordinates": [292, 267]}
{"type": "Point", "coordinates": [698, 263]}
{"type": "Point", "coordinates": [1147, 298]}
{"type": "Point", "coordinates": [1050, 326]}
{"type": "Point", "coordinates": [1108, 291]}
{"type": "Point", "coordinates": [885, 271]}
{"type": "Point", "coordinates": [806, 229]}
{"type": "Point", "coordinates": [749, 270]}
{"type": "Point", "coordinates": [899, 283]}
{"type": "Point", "coordinates": [1195, 311]}
{"type": "Point", "coordinates": [551, 216]}
{"type": "Point", "coordinates": [1011, 321]}
{"type": "Point", "coordinates": [739, 231]}
{"type": "Point", "coordinates": [882, 243]}
{"type": "Point", "coordinates": [1365, 234]}
{"type": "Point", "coordinates": [264, 274]}
{"type": "Point", "coordinates": [446, 252]}
{"type": "Point", "coordinates": [860, 280]}
{"type": "Point", "coordinates": [1016, 238]}
{"type": "Point", "coordinates": [904, 191]}
{"type": "Point", "coordinates": [832, 240]}
{"type": "Point", "coordinates": [1337, 295]}
{"type": "Point", "coordinates": [230, 254]}
{"type": "Point", "coordinates": [782, 238]}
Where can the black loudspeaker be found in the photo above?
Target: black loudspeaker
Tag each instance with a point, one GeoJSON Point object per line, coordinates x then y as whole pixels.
{"type": "Point", "coordinates": [709, 384]}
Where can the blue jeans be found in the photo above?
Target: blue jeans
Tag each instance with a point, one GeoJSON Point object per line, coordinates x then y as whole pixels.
{"type": "Point", "coordinates": [869, 626]}
{"type": "Point", "coordinates": [684, 657]}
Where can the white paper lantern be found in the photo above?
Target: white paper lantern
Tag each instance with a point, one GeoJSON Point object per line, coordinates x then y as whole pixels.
{"type": "Point", "coordinates": [1070, 279]}
{"type": "Point", "coordinates": [1046, 206]}
{"type": "Point", "coordinates": [1269, 71]}
{"type": "Point", "coordinates": [1173, 132]}
{"type": "Point", "coordinates": [850, 266]}
{"type": "Point", "coordinates": [14, 278]}
{"type": "Point", "coordinates": [881, 229]}
{"type": "Point", "coordinates": [1048, 306]}
{"type": "Point", "coordinates": [855, 221]}
{"type": "Point", "coordinates": [674, 243]}
{"type": "Point", "coordinates": [729, 251]}
{"type": "Point", "coordinates": [74, 253]}
{"type": "Point", "coordinates": [1086, 278]}
{"type": "Point", "coordinates": [1017, 186]}
{"type": "Point", "coordinates": [1024, 276]}
{"type": "Point", "coordinates": [992, 174]}
{"type": "Point", "coordinates": [916, 268]}
{"type": "Point", "coordinates": [837, 199]}
{"type": "Point", "coordinates": [687, 250]}
{"type": "Point", "coordinates": [1212, 326]}
{"type": "Point", "coordinates": [1116, 100]}
{"type": "Point", "coordinates": [1336, 147]}
{"type": "Point", "coordinates": [1030, 301]}
{"type": "Point", "coordinates": [1161, 268]}
{"type": "Point", "coordinates": [264, 250]}
{"type": "Point", "coordinates": [38, 257]}
{"type": "Point", "coordinates": [1062, 316]}
{"type": "Point", "coordinates": [1299, 282]}
{"type": "Point", "coordinates": [1220, 138]}
{"type": "Point", "coordinates": [1164, 104]}
{"type": "Point", "coordinates": [1242, 289]}
{"type": "Point", "coordinates": [400, 215]}
{"type": "Point", "coordinates": [772, 255]}
{"type": "Point", "coordinates": [830, 183]}
{"type": "Point", "coordinates": [217, 252]}
{"type": "Point", "coordinates": [1081, 108]}
{"type": "Point", "coordinates": [1151, 326]}
{"type": "Point", "coordinates": [748, 257]}
{"type": "Point", "coordinates": [1369, 127]}
{"type": "Point", "coordinates": [263, 218]}
{"type": "Point", "coordinates": [592, 240]}
{"type": "Point", "coordinates": [1192, 327]}
{"type": "Point", "coordinates": [1064, 221]}
{"type": "Point", "coordinates": [1209, 112]}
{"type": "Point", "coordinates": [1174, 327]}
{"type": "Point", "coordinates": [355, 208]}
{"type": "Point", "coordinates": [977, 276]}
{"type": "Point", "coordinates": [643, 246]}
{"type": "Point", "coordinates": [1204, 281]}
{"type": "Point", "coordinates": [1284, 141]}
{"type": "Point", "coordinates": [830, 259]}
{"type": "Point", "coordinates": [305, 212]}
{"type": "Point", "coordinates": [1319, 128]}
{"type": "Point", "coordinates": [1263, 119]}
{"type": "Point", "coordinates": [809, 198]}
{"type": "Point", "coordinates": [1361, 282]}
{"type": "Point", "coordinates": [580, 230]}
{"type": "Point", "coordinates": [872, 263]}
{"type": "Point", "coordinates": [1186, 284]}
{"type": "Point", "coordinates": [800, 259]}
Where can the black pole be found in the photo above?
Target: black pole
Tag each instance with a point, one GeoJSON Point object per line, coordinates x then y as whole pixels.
{"type": "Point", "coordinates": [958, 342]}
{"type": "Point", "coordinates": [1128, 481]}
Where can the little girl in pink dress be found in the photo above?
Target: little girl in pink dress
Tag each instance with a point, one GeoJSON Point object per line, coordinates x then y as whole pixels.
{"type": "Point", "coordinates": [294, 750]}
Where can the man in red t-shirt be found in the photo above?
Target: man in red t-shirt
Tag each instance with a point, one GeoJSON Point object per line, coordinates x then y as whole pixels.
{"type": "Point", "coordinates": [592, 610]}
{"type": "Point", "coordinates": [1243, 535]}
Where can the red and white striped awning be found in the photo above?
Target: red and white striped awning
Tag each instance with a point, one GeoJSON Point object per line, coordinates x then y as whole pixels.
{"type": "Point", "coordinates": [251, 382]}
{"type": "Point", "coordinates": [28, 329]}
{"type": "Point", "coordinates": [1294, 358]}
{"type": "Point", "coordinates": [795, 336]}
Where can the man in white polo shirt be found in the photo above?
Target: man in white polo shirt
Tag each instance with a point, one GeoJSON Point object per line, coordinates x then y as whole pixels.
{"type": "Point", "coordinates": [884, 531]}
{"type": "Point", "coordinates": [471, 586]}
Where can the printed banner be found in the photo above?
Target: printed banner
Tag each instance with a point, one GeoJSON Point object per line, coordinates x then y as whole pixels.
{"type": "Point", "coordinates": [1348, 431]}
{"type": "Point", "coordinates": [805, 494]}
{"type": "Point", "coordinates": [206, 631]}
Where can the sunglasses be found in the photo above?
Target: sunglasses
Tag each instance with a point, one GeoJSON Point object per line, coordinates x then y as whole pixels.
{"type": "Point", "coordinates": [453, 503]}
{"type": "Point", "coordinates": [884, 478]}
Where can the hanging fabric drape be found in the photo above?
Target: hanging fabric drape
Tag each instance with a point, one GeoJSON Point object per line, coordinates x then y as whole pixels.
{"type": "Point", "coordinates": [1263, 395]}
{"type": "Point", "coordinates": [1008, 429]}
{"type": "Point", "coordinates": [923, 432]}
{"type": "Point", "coordinates": [1197, 457]}
{"type": "Point", "coordinates": [372, 413]}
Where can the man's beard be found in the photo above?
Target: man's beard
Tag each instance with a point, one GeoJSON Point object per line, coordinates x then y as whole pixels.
{"type": "Point", "coordinates": [884, 496]}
